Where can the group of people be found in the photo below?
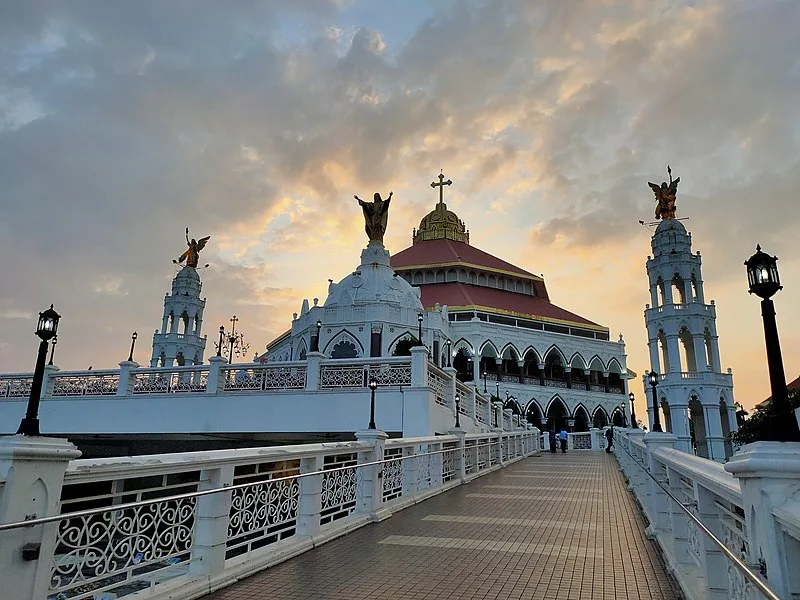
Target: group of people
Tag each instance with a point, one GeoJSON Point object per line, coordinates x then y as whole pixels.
{"type": "Point", "coordinates": [561, 436]}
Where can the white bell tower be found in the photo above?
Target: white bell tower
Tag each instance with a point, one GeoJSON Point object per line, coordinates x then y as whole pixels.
{"type": "Point", "coordinates": [179, 341]}
{"type": "Point", "coordinates": [684, 348]}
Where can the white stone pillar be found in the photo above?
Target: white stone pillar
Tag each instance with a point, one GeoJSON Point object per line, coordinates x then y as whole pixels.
{"type": "Point", "coordinates": [126, 381]}
{"type": "Point", "coordinates": [369, 495]}
{"type": "Point", "coordinates": [769, 474]}
{"type": "Point", "coordinates": [659, 509]}
{"type": "Point", "coordinates": [313, 370]}
{"type": "Point", "coordinates": [309, 506]}
{"type": "Point", "coordinates": [33, 469]}
{"type": "Point", "coordinates": [419, 366]}
{"type": "Point", "coordinates": [215, 381]}
{"type": "Point", "coordinates": [679, 416]}
{"type": "Point", "coordinates": [211, 522]}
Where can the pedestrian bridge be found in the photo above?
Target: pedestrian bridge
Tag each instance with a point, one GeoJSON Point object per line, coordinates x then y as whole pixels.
{"type": "Point", "coordinates": [460, 515]}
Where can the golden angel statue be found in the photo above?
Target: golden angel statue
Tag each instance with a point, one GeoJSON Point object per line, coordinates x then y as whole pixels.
{"type": "Point", "coordinates": [192, 254]}
{"type": "Point", "coordinates": [665, 196]}
{"type": "Point", "coordinates": [376, 216]}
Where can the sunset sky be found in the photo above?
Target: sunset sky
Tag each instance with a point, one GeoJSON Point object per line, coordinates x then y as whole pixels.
{"type": "Point", "coordinates": [121, 123]}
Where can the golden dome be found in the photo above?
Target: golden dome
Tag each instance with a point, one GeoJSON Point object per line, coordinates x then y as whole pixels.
{"type": "Point", "coordinates": [440, 224]}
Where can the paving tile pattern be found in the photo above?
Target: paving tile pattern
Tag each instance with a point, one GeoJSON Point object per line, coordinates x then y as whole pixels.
{"type": "Point", "coordinates": [558, 526]}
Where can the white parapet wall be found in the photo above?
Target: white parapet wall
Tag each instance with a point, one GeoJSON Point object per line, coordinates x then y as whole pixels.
{"type": "Point", "coordinates": [181, 525]}
{"type": "Point", "coordinates": [748, 504]}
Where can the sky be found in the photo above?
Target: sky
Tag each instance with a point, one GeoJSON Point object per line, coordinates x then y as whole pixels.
{"type": "Point", "coordinates": [256, 122]}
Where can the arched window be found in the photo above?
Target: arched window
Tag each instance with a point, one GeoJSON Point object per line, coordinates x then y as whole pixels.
{"type": "Point", "coordinates": [344, 349]}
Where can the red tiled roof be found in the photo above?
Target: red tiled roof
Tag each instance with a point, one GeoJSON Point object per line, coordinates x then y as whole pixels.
{"type": "Point", "coordinates": [460, 295]}
{"type": "Point", "coordinates": [442, 251]}
{"type": "Point", "coordinates": [794, 385]}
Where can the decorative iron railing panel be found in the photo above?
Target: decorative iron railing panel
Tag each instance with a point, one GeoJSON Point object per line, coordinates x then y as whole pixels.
{"type": "Point", "coordinates": [265, 512]}
{"type": "Point", "coordinates": [122, 551]}
{"type": "Point", "coordinates": [94, 384]}
{"type": "Point", "coordinates": [15, 387]}
{"type": "Point", "coordinates": [392, 474]}
{"type": "Point", "coordinates": [339, 487]}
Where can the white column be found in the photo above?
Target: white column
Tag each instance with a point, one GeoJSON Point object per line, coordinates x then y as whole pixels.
{"type": "Point", "coordinates": [370, 484]}
{"type": "Point", "coordinates": [211, 522]}
{"type": "Point", "coordinates": [33, 469]}
{"type": "Point", "coordinates": [769, 473]}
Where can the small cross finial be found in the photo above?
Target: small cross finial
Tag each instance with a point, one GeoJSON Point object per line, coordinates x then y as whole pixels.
{"type": "Point", "coordinates": [441, 185]}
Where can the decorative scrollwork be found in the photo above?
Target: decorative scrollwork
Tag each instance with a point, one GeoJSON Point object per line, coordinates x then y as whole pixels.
{"type": "Point", "coordinates": [581, 441]}
{"type": "Point", "coordinates": [263, 513]}
{"type": "Point", "coordinates": [339, 488]}
{"type": "Point", "coordinates": [392, 474]}
{"type": "Point", "coordinates": [122, 545]}
{"type": "Point", "coordinates": [15, 387]}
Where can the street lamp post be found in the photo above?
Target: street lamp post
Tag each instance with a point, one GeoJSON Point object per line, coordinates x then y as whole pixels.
{"type": "Point", "coordinates": [373, 385]}
{"type": "Point", "coordinates": [52, 350]}
{"type": "Point", "coordinates": [762, 275]}
{"type": "Point", "coordinates": [134, 335]}
{"type": "Point", "coordinates": [484, 381]}
{"type": "Point", "coordinates": [315, 347]}
{"type": "Point", "coordinates": [458, 410]}
{"type": "Point", "coordinates": [653, 379]}
{"type": "Point", "coordinates": [634, 424]}
{"type": "Point", "coordinates": [420, 317]}
{"type": "Point", "coordinates": [46, 330]}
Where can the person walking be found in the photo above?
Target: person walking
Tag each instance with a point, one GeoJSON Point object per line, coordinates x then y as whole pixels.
{"type": "Point", "coordinates": [609, 438]}
{"type": "Point", "coordinates": [563, 438]}
{"type": "Point", "coordinates": [552, 436]}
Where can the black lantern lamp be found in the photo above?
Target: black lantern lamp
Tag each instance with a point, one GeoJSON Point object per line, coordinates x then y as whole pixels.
{"type": "Point", "coordinates": [458, 410]}
{"type": "Point", "coordinates": [315, 347]}
{"type": "Point", "coordinates": [46, 330]}
{"type": "Point", "coordinates": [634, 424]}
{"type": "Point", "coordinates": [764, 282]}
{"type": "Point", "coordinates": [219, 344]}
{"type": "Point", "coordinates": [134, 335]}
{"type": "Point", "coordinates": [652, 378]}
{"type": "Point", "coordinates": [420, 317]}
{"type": "Point", "coordinates": [373, 385]}
{"type": "Point", "coordinates": [52, 350]}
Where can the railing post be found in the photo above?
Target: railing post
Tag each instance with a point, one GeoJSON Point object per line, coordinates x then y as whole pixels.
{"type": "Point", "coordinates": [310, 502]}
{"type": "Point", "coordinates": [313, 370]}
{"type": "Point", "coordinates": [126, 382]}
{"type": "Point", "coordinates": [659, 509]}
{"type": "Point", "coordinates": [215, 382]}
{"type": "Point", "coordinates": [461, 463]}
{"type": "Point", "coordinates": [370, 481]}
{"type": "Point", "coordinates": [769, 473]}
{"type": "Point", "coordinates": [33, 469]}
{"type": "Point", "coordinates": [47, 388]}
{"type": "Point", "coordinates": [419, 367]}
{"type": "Point", "coordinates": [410, 471]}
{"type": "Point", "coordinates": [211, 522]}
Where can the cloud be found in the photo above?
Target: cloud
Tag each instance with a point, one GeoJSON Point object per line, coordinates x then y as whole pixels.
{"type": "Point", "coordinates": [256, 124]}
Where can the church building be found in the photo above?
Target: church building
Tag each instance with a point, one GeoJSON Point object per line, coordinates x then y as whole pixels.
{"type": "Point", "coordinates": [489, 319]}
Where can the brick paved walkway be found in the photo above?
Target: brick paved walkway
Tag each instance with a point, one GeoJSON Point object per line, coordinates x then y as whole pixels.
{"type": "Point", "coordinates": [559, 526]}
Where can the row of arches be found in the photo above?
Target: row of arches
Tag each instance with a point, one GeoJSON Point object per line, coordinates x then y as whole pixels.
{"type": "Point", "coordinates": [679, 290]}
{"type": "Point", "coordinates": [695, 351]}
{"type": "Point", "coordinates": [473, 277]}
{"type": "Point", "coordinates": [557, 415]}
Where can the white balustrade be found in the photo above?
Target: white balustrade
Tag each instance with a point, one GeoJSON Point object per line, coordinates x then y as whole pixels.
{"type": "Point", "coordinates": [714, 496]}
{"type": "Point", "coordinates": [116, 535]}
